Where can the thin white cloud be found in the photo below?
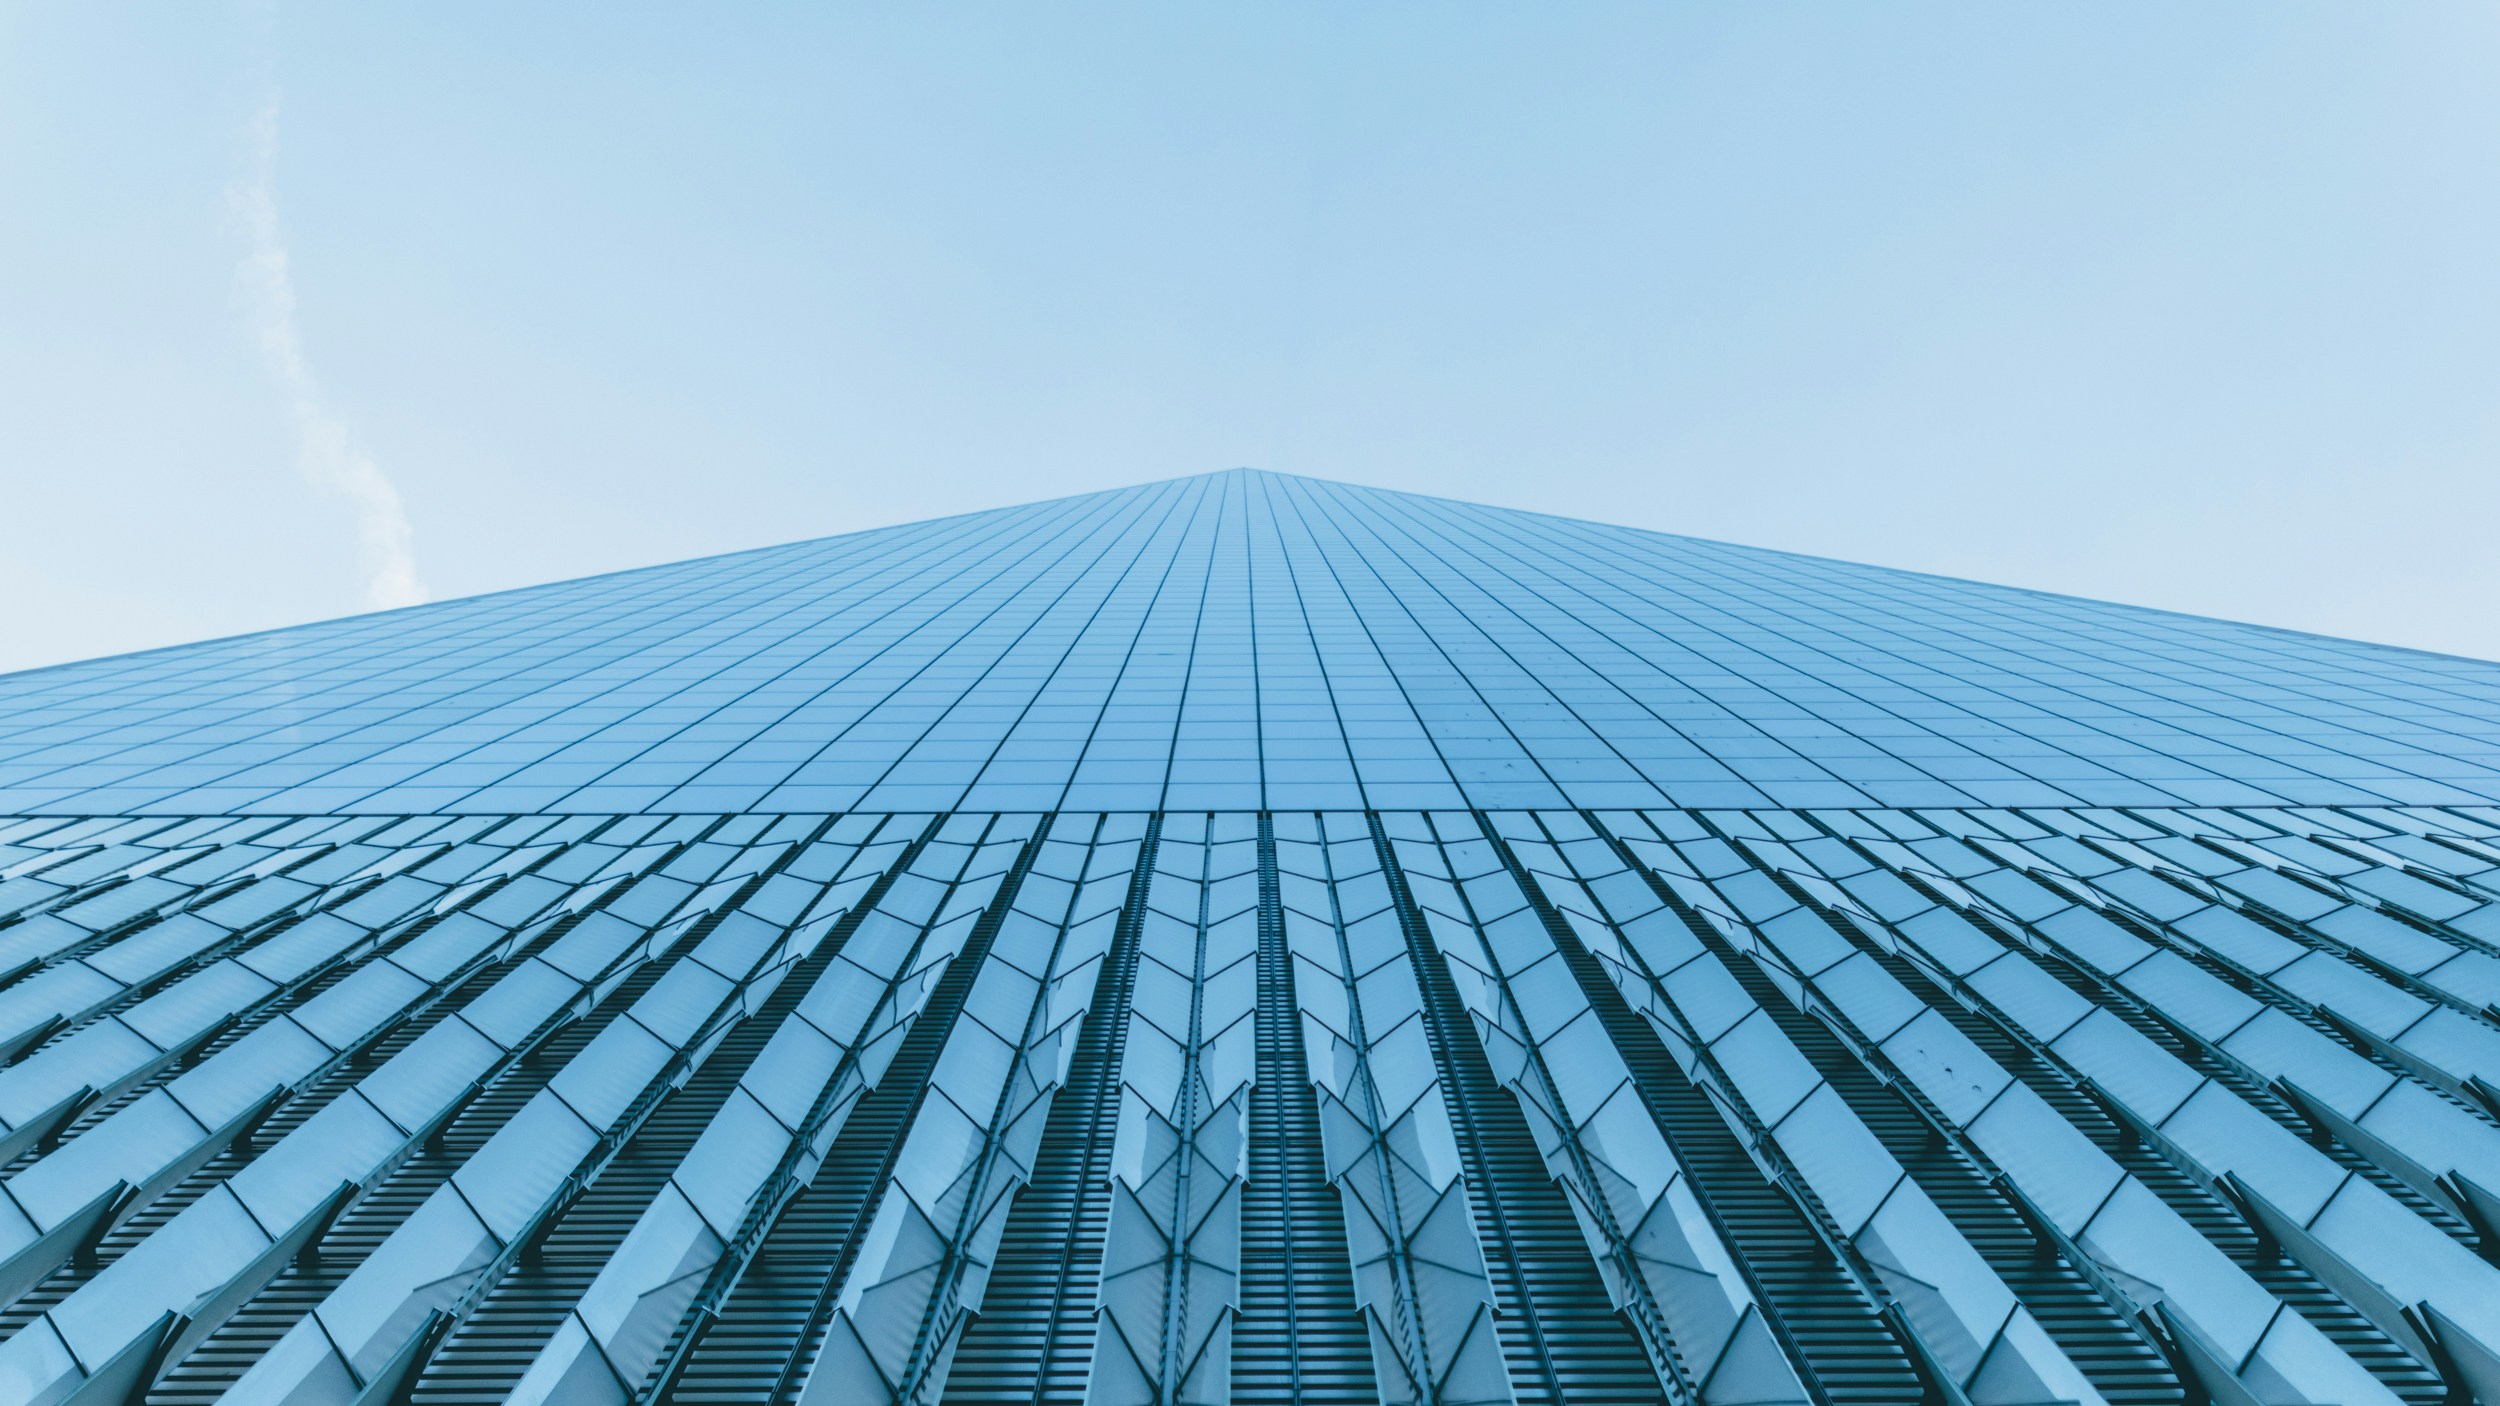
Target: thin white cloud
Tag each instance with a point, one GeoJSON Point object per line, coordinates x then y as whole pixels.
{"type": "Point", "coordinates": [326, 454]}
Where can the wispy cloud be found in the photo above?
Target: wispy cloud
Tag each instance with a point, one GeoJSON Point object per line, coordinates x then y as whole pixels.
{"type": "Point", "coordinates": [327, 455]}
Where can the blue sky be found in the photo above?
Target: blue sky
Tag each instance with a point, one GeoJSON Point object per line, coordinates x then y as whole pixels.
{"type": "Point", "coordinates": [308, 309]}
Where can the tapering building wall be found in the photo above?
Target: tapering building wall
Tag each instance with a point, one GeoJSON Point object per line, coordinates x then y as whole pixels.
{"type": "Point", "coordinates": [1252, 939]}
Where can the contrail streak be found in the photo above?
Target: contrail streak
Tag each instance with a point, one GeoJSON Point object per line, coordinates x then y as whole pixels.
{"type": "Point", "coordinates": [328, 457]}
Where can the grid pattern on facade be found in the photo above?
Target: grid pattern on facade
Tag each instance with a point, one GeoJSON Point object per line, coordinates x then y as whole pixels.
{"type": "Point", "coordinates": [1248, 939]}
{"type": "Point", "coordinates": [1242, 641]}
{"type": "Point", "coordinates": [1998, 1106]}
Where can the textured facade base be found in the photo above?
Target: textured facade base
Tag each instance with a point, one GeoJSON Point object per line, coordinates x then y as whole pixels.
{"type": "Point", "coordinates": [1723, 1106]}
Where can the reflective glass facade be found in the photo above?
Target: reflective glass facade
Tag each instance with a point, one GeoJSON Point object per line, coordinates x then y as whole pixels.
{"type": "Point", "coordinates": [1247, 641]}
{"type": "Point", "coordinates": [1252, 939]}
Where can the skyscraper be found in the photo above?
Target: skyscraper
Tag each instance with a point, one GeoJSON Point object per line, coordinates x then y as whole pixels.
{"type": "Point", "coordinates": [1247, 938]}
